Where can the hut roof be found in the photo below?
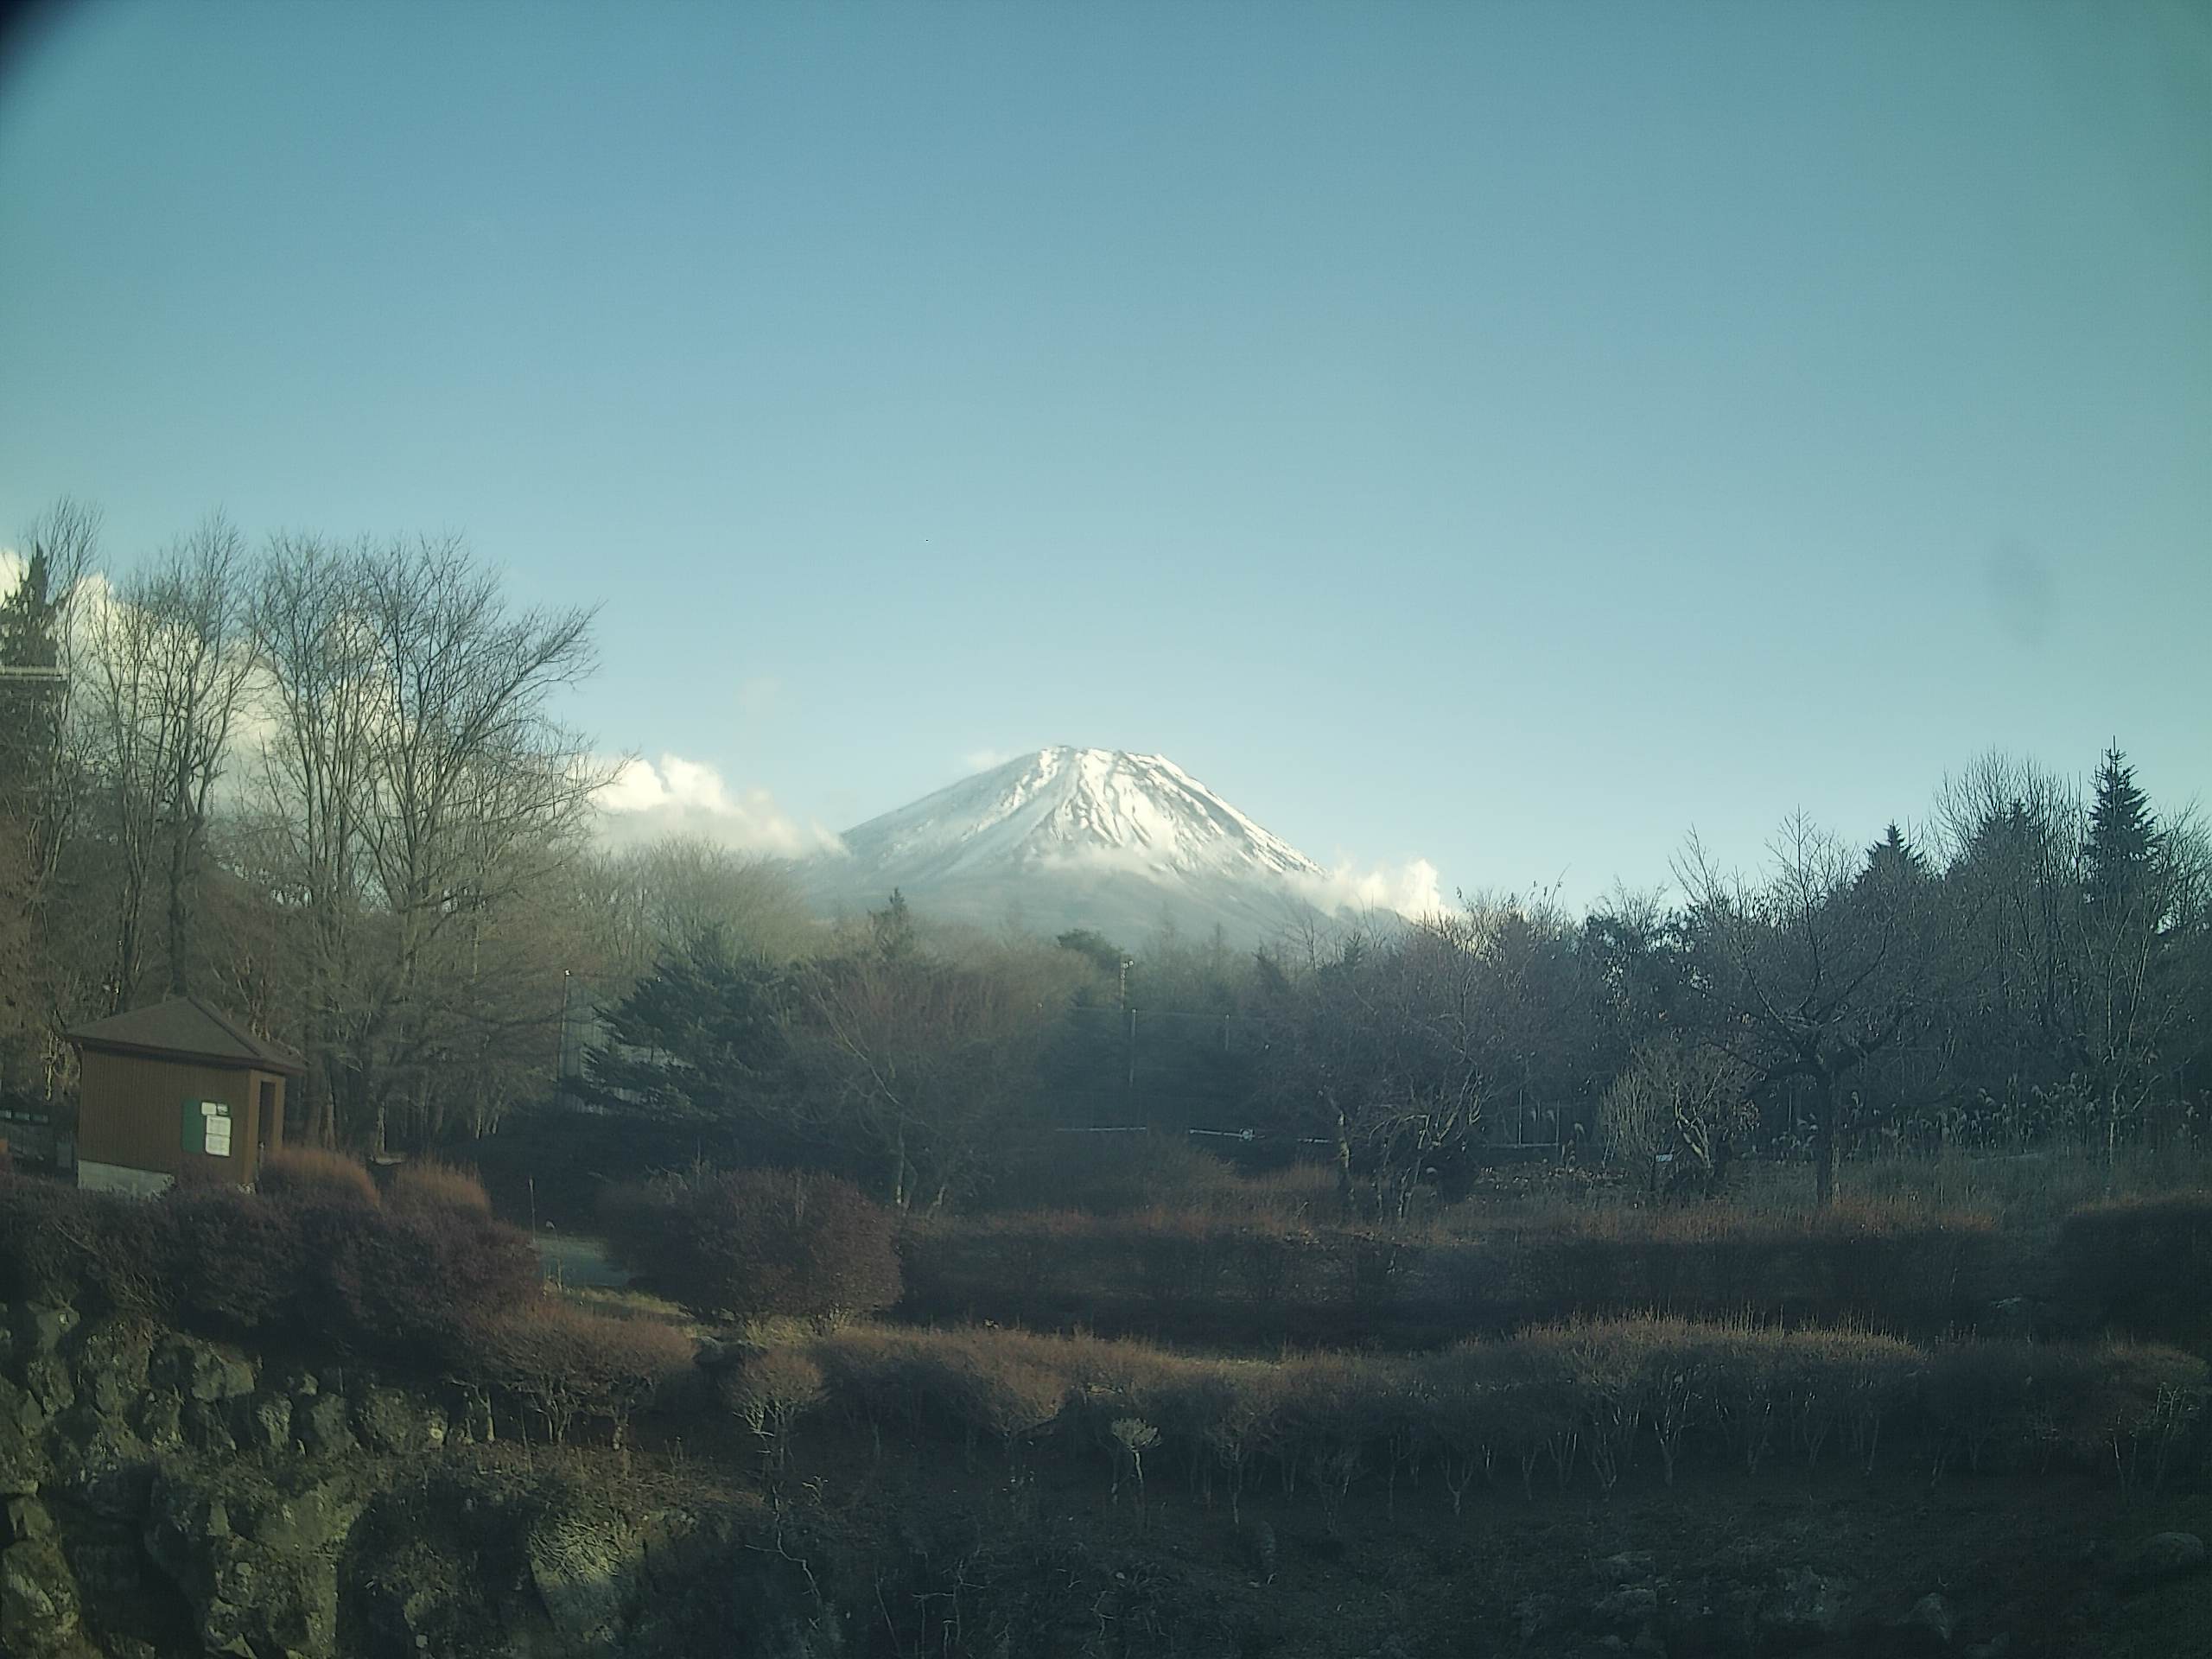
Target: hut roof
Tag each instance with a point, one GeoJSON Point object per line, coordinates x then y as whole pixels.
{"type": "Point", "coordinates": [186, 1028]}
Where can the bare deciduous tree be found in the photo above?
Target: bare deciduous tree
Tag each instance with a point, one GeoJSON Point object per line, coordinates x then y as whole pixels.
{"type": "Point", "coordinates": [1809, 972]}
{"type": "Point", "coordinates": [923, 1063]}
{"type": "Point", "coordinates": [41, 783]}
{"type": "Point", "coordinates": [422, 797]}
{"type": "Point", "coordinates": [1683, 1101]}
{"type": "Point", "coordinates": [170, 664]}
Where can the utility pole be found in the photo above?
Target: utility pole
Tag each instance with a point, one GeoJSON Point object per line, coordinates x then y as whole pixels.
{"type": "Point", "coordinates": [561, 1040]}
{"type": "Point", "coordinates": [1128, 1048]}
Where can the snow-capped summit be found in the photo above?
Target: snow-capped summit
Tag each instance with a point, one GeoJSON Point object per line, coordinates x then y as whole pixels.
{"type": "Point", "coordinates": [1070, 837]}
{"type": "Point", "coordinates": [1141, 809]}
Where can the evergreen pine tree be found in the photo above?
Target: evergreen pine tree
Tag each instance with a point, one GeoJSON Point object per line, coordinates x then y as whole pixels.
{"type": "Point", "coordinates": [893, 928]}
{"type": "Point", "coordinates": [28, 620]}
{"type": "Point", "coordinates": [1893, 859]}
{"type": "Point", "coordinates": [702, 1037]}
{"type": "Point", "coordinates": [2123, 843]}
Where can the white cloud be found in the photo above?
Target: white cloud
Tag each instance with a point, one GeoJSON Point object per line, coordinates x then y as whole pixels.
{"type": "Point", "coordinates": [673, 796]}
{"type": "Point", "coordinates": [985, 759]}
{"type": "Point", "coordinates": [1412, 889]}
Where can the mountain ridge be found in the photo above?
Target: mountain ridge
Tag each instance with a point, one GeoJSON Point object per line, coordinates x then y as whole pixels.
{"type": "Point", "coordinates": [1108, 839]}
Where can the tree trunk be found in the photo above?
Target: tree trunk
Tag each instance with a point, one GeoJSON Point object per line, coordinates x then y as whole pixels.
{"type": "Point", "coordinates": [179, 858]}
{"type": "Point", "coordinates": [1824, 1139]}
{"type": "Point", "coordinates": [1344, 1166]}
{"type": "Point", "coordinates": [125, 977]}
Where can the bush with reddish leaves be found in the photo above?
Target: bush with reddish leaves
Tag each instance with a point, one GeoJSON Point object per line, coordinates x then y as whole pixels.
{"type": "Point", "coordinates": [403, 1285]}
{"type": "Point", "coordinates": [311, 1174]}
{"type": "Point", "coordinates": [410, 1285]}
{"type": "Point", "coordinates": [86, 1250]}
{"type": "Point", "coordinates": [750, 1244]}
{"type": "Point", "coordinates": [429, 1184]}
{"type": "Point", "coordinates": [231, 1260]}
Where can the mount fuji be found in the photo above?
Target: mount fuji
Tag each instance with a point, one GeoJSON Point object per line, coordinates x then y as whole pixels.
{"type": "Point", "coordinates": [1069, 838]}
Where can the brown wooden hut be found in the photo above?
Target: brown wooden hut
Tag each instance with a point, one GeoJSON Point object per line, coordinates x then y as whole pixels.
{"type": "Point", "coordinates": [177, 1091]}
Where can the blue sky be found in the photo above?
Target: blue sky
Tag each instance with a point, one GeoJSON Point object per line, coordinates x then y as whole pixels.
{"type": "Point", "coordinates": [1508, 436]}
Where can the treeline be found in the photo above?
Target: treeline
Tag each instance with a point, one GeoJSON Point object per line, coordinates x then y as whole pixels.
{"type": "Point", "coordinates": [2038, 966]}
{"type": "Point", "coordinates": [328, 786]}
{"type": "Point", "coordinates": [2033, 969]}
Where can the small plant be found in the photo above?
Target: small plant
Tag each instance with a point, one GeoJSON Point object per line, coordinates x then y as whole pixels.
{"type": "Point", "coordinates": [1133, 1438]}
{"type": "Point", "coordinates": [770, 1392]}
{"type": "Point", "coordinates": [1334, 1473]}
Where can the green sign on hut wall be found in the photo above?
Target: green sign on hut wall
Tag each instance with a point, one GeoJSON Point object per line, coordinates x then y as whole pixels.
{"type": "Point", "coordinates": [207, 1128]}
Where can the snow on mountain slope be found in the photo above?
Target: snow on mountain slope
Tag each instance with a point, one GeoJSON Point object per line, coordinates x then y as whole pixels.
{"type": "Point", "coordinates": [1070, 837]}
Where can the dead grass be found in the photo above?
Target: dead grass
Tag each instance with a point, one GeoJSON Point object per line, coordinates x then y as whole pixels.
{"type": "Point", "coordinates": [317, 1174]}
{"type": "Point", "coordinates": [623, 1303]}
{"type": "Point", "coordinates": [431, 1184]}
{"type": "Point", "coordinates": [1574, 1402]}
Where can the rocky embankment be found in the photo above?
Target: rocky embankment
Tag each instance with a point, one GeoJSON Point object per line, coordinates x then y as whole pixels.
{"type": "Point", "coordinates": [169, 1496]}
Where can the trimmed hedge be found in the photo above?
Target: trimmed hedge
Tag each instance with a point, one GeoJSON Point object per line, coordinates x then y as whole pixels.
{"type": "Point", "coordinates": [411, 1285]}
{"type": "Point", "coordinates": [1216, 1278]}
{"type": "Point", "coordinates": [1581, 1399]}
{"type": "Point", "coordinates": [233, 1262]}
{"type": "Point", "coordinates": [756, 1242]}
{"type": "Point", "coordinates": [88, 1250]}
{"type": "Point", "coordinates": [2142, 1264]}
{"type": "Point", "coordinates": [404, 1286]}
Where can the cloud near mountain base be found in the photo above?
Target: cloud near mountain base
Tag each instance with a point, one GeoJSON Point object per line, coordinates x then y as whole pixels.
{"type": "Point", "coordinates": [647, 799]}
{"type": "Point", "coordinates": [1412, 889]}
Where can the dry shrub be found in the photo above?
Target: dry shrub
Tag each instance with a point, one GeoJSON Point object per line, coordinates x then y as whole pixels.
{"type": "Point", "coordinates": [992, 1389]}
{"type": "Point", "coordinates": [2143, 1264]}
{"type": "Point", "coordinates": [1853, 1261]}
{"type": "Point", "coordinates": [754, 1243]}
{"type": "Point", "coordinates": [1902, 1264]}
{"type": "Point", "coordinates": [233, 1260]}
{"type": "Point", "coordinates": [1585, 1399]}
{"type": "Point", "coordinates": [312, 1174]}
{"type": "Point", "coordinates": [566, 1361]}
{"type": "Point", "coordinates": [1168, 1263]}
{"type": "Point", "coordinates": [1234, 1411]}
{"type": "Point", "coordinates": [2022, 1402]}
{"type": "Point", "coordinates": [410, 1287]}
{"type": "Point", "coordinates": [431, 1184]}
{"type": "Point", "coordinates": [770, 1392]}
{"type": "Point", "coordinates": [88, 1250]}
